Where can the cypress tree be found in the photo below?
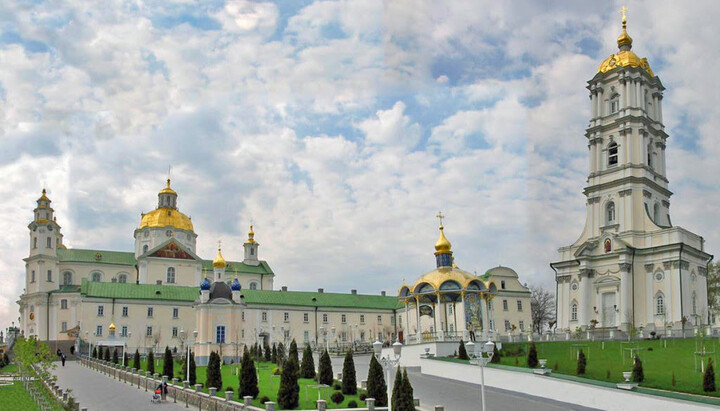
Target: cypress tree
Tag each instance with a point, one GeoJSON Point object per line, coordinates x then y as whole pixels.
{"type": "Point", "coordinates": [258, 352]}
{"type": "Point", "coordinates": [107, 354]}
{"type": "Point", "coordinates": [397, 390]}
{"type": "Point", "coordinates": [280, 354]}
{"type": "Point", "coordinates": [193, 375]}
{"type": "Point", "coordinates": [349, 380]}
{"type": "Point", "coordinates": [115, 358]}
{"type": "Point", "coordinates": [376, 387]}
{"type": "Point", "coordinates": [408, 400]}
{"type": "Point", "coordinates": [496, 355]}
{"type": "Point", "coordinates": [94, 354]}
{"type": "Point", "coordinates": [268, 354]}
{"type": "Point", "coordinates": [248, 377]}
{"type": "Point", "coordinates": [462, 352]}
{"type": "Point", "coordinates": [325, 372]}
{"type": "Point", "coordinates": [708, 377]}
{"type": "Point", "coordinates": [136, 360]}
{"type": "Point", "coordinates": [151, 362]}
{"type": "Point", "coordinates": [168, 363]}
{"type": "Point", "coordinates": [581, 363]}
{"type": "Point", "coordinates": [126, 359]}
{"type": "Point", "coordinates": [532, 360]}
{"type": "Point", "coordinates": [307, 369]}
{"type": "Point", "coordinates": [637, 373]}
{"type": "Point", "coordinates": [214, 377]}
{"type": "Point", "coordinates": [273, 356]}
{"type": "Point", "coordinates": [288, 394]}
{"type": "Point", "coordinates": [294, 352]}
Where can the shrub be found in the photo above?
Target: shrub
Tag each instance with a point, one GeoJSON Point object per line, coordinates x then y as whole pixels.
{"type": "Point", "coordinates": [214, 377]}
{"type": "Point", "coordinates": [337, 386]}
{"type": "Point", "coordinates": [280, 354]}
{"type": "Point", "coordinates": [407, 401]}
{"type": "Point", "coordinates": [273, 355]}
{"type": "Point", "coordinates": [107, 354]}
{"type": "Point", "coordinates": [362, 396]}
{"type": "Point", "coordinates": [352, 404]}
{"type": "Point", "coordinates": [397, 389]}
{"type": "Point", "coordinates": [349, 379]}
{"type": "Point", "coordinates": [581, 363]}
{"type": "Point", "coordinates": [709, 377]}
{"type": "Point", "coordinates": [337, 397]}
{"type": "Point", "coordinates": [277, 371]}
{"type": "Point", "coordinates": [151, 362]}
{"type": "Point", "coordinates": [264, 399]}
{"type": "Point", "coordinates": [637, 373]}
{"type": "Point", "coordinates": [168, 363]}
{"type": "Point", "coordinates": [307, 369]}
{"type": "Point", "coordinates": [136, 360]}
{"type": "Point", "coordinates": [532, 358]}
{"type": "Point", "coordinates": [376, 387]}
{"type": "Point", "coordinates": [288, 394]}
{"type": "Point", "coordinates": [496, 355]}
{"type": "Point", "coordinates": [325, 372]}
{"type": "Point", "coordinates": [115, 358]}
{"type": "Point", "coordinates": [268, 353]}
{"type": "Point", "coordinates": [126, 359]}
{"type": "Point", "coordinates": [462, 352]}
{"type": "Point", "coordinates": [294, 352]}
{"type": "Point", "coordinates": [94, 354]}
{"type": "Point", "coordinates": [248, 377]}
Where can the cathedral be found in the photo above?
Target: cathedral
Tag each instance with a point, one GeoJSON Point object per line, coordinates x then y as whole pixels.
{"type": "Point", "coordinates": [631, 268]}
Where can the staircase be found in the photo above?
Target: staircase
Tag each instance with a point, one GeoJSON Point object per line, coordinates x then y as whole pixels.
{"type": "Point", "coordinates": [63, 345]}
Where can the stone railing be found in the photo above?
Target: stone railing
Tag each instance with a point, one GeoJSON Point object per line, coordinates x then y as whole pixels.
{"type": "Point", "coordinates": [47, 394]}
{"type": "Point", "coordinates": [182, 393]}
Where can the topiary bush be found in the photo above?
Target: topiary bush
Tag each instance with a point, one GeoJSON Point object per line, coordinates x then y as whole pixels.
{"type": "Point", "coordinates": [637, 373]}
{"type": "Point", "coordinates": [532, 359]}
{"type": "Point", "coordinates": [307, 369]}
{"type": "Point", "coordinates": [150, 363]}
{"type": "Point", "coordinates": [288, 393]}
{"type": "Point", "coordinates": [462, 352]}
{"type": "Point", "coordinates": [264, 399]}
{"type": "Point", "coordinates": [349, 379]}
{"type": "Point", "coordinates": [376, 387]}
{"type": "Point", "coordinates": [352, 404]}
{"type": "Point", "coordinates": [708, 377]}
{"type": "Point", "coordinates": [496, 355]}
{"type": "Point", "coordinates": [337, 397]}
{"type": "Point", "coordinates": [168, 363]}
{"type": "Point", "coordinates": [248, 377]}
{"type": "Point", "coordinates": [581, 363]}
{"type": "Point", "coordinates": [325, 371]}
{"type": "Point", "coordinates": [337, 386]}
{"type": "Point", "coordinates": [136, 360]}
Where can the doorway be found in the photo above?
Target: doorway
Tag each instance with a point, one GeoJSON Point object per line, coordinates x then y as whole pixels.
{"type": "Point", "coordinates": [608, 309]}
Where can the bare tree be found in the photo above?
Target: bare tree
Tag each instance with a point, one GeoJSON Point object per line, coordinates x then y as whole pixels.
{"type": "Point", "coordinates": [542, 307]}
{"type": "Point", "coordinates": [713, 288]}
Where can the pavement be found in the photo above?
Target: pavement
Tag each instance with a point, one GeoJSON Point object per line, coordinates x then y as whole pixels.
{"type": "Point", "coordinates": [96, 391]}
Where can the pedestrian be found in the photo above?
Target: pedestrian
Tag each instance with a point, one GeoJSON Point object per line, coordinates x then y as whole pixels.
{"type": "Point", "coordinates": [58, 352]}
{"type": "Point", "coordinates": [163, 390]}
{"type": "Point", "coordinates": [72, 350]}
{"type": "Point", "coordinates": [62, 358]}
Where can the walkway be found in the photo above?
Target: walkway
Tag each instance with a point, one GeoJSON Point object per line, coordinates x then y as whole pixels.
{"type": "Point", "coordinates": [96, 391]}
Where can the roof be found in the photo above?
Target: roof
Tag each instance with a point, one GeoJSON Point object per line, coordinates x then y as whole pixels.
{"type": "Point", "coordinates": [133, 291]}
{"type": "Point", "coordinates": [67, 289]}
{"type": "Point", "coordinates": [239, 267]}
{"type": "Point", "coordinates": [164, 217]}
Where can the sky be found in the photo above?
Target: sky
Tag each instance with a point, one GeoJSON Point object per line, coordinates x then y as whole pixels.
{"type": "Point", "coordinates": [339, 128]}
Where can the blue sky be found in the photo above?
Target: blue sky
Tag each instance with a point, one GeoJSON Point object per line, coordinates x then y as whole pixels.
{"type": "Point", "coordinates": [339, 127]}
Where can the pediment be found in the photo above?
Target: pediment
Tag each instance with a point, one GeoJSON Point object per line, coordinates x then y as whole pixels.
{"type": "Point", "coordinates": [608, 279]}
{"type": "Point", "coordinates": [172, 249]}
{"type": "Point", "coordinates": [586, 249]}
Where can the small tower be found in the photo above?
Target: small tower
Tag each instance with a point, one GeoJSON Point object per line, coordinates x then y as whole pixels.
{"type": "Point", "coordinates": [443, 253]}
{"type": "Point", "coordinates": [167, 197]}
{"type": "Point", "coordinates": [251, 249]}
{"type": "Point", "coordinates": [45, 238]}
{"type": "Point", "coordinates": [219, 265]}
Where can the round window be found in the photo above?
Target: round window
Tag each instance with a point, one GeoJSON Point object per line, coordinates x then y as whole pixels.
{"type": "Point", "coordinates": [574, 286]}
{"type": "Point", "coordinates": [658, 276]}
{"type": "Point", "coordinates": [168, 233]}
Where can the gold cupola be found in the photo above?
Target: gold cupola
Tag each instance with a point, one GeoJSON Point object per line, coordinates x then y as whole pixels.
{"type": "Point", "coordinates": [251, 235]}
{"type": "Point", "coordinates": [625, 57]}
{"type": "Point", "coordinates": [219, 261]}
{"type": "Point", "coordinates": [442, 246]}
{"type": "Point", "coordinates": [112, 327]}
{"type": "Point", "coordinates": [166, 214]}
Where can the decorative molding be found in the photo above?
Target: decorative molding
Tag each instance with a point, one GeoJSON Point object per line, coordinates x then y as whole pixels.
{"type": "Point", "coordinates": [666, 203]}
{"type": "Point", "coordinates": [624, 193]}
{"type": "Point", "coordinates": [667, 264]}
{"type": "Point", "coordinates": [593, 200]}
{"type": "Point", "coordinates": [647, 194]}
{"type": "Point", "coordinates": [702, 271]}
{"type": "Point", "coordinates": [587, 272]}
{"type": "Point", "coordinates": [649, 267]}
{"type": "Point", "coordinates": [625, 267]}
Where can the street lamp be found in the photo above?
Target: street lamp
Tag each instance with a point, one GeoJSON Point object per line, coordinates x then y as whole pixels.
{"type": "Point", "coordinates": [481, 358]}
{"type": "Point", "coordinates": [187, 342]}
{"type": "Point", "coordinates": [388, 363]}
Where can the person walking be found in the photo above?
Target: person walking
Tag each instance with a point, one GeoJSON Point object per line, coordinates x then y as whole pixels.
{"type": "Point", "coordinates": [62, 358]}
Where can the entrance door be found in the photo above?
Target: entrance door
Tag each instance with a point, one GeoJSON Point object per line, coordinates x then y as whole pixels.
{"type": "Point", "coordinates": [608, 309]}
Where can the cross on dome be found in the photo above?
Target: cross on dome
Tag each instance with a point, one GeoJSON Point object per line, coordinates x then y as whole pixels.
{"type": "Point", "coordinates": [440, 217]}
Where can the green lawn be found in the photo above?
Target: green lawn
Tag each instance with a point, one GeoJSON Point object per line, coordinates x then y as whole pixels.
{"type": "Point", "coordinates": [605, 361]}
{"type": "Point", "coordinates": [9, 369]}
{"type": "Point", "coordinates": [14, 397]}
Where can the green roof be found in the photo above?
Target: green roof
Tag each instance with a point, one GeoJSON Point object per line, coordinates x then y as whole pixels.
{"type": "Point", "coordinates": [67, 289]}
{"type": "Point", "coordinates": [264, 297]}
{"type": "Point", "coordinates": [240, 267]}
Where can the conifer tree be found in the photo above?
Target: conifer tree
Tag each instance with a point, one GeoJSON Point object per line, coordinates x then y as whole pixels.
{"type": "Point", "coordinates": [281, 354]}
{"type": "Point", "coordinates": [581, 363]}
{"type": "Point", "coordinates": [151, 363]}
{"type": "Point", "coordinates": [136, 360]}
{"type": "Point", "coordinates": [407, 394]}
{"type": "Point", "coordinates": [168, 363]}
{"type": "Point", "coordinates": [708, 377]}
{"type": "Point", "coordinates": [532, 360]}
{"type": "Point", "coordinates": [325, 372]}
{"type": "Point", "coordinates": [397, 390]}
{"type": "Point", "coordinates": [273, 356]}
{"type": "Point", "coordinates": [496, 355]}
{"type": "Point", "coordinates": [107, 354]}
{"type": "Point", "coordinates": [214, 377]}
{"type": "Point", "coordinates": [115, 358]}
{"type": "Point", "coordinates": [307, 369]}
{"type": "Point", "coordinates": [294, 352]}
{"type": "Point", "coordinates": [126, 359]}
{"type": "Point", "coordinates": [94, 354]}
{"type": "Point", "coordinates": [248, 377]}
{"type": "Point", "coordinates": [462, 352]}
{"type": "Point", "coordinates": [637, 373]}
{"type": "Point", "coordinates": [349, 379]}
{"type": "Point", "coordinates": [288, 394]}
{"type": "Point", "coordinates": [376, 387]}
{"type": "Point", "coordinates": [193, 375]}
{"type": "Point", "coordinates": [268, 354]}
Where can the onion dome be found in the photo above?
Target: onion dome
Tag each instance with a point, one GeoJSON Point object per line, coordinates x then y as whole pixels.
{"type": "Point", "coordinates": [112, 327]}
{"type": "Point", "coordinates": [219, 261]}
{"type": "Point", "coordinates": [251, 235]}
{"type": "Point", "coordinates": [442, 246]}
{"type": "Point", "coordinates": [235, 286]}
{"type": "Point", "coordinates": [205, 284]}
{"type": "Point", "coordinates": [625, 57]}
{"type": "Point", "coordinates": [167, 189]}
{"type": "Point", "coordinates": [44, 197]}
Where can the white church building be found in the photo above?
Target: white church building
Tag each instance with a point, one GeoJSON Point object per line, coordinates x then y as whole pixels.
{"type": "Point", "coordinates": [631, 267]}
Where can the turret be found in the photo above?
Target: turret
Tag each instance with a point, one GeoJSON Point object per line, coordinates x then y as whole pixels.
{"type": "Point", "coordinates": [251, 249]}
{"type": "Point", "coordinates": [42, 268]}
{"type": "Point", "coordinates": [219, 265]}
{"type": "Point", "coordinates": [443, 252]}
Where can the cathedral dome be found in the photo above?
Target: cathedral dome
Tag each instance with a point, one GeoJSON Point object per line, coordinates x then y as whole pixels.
{"type": "Point", "coordinates": [219, 289]}
{"type": "Point", "coordinates": [205, 284]}
{"type": "Point", "coordinates": [235, 286]}
{"type": "Point", "coordinates": [219, 261]}
{"type": "Point", "coordinates": [625, 57]}
{"type": "Point", "coordinates": [164, 217]}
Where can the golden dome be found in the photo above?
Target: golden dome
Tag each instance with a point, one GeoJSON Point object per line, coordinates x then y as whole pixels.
{"type": "Point", "coordinates": [219, 261]}
{"type": "Point", "coordinates": [43, 197]}
{"type": "Point", "coordinates": [442, 246]}
{"type": "Point", "coordinates": [167, 189]}
{"type": "Point", "coordinates": [164, 217]}
{"type": "Point", "coordinates": [251, 235]}
{"type": "Point", "coordinates": [438, 277]}
{"type": "Point", "coordinates": [112, 327]}
{"type": "Point", "coordinates": [625, 57]}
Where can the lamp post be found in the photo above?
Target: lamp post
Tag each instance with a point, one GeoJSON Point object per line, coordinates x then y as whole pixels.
{"type": "Point", "coordinates": [481, 358]}
{"type": "Point", "coordinates": [187, 342]}
{"type": "Point", "coordinates": [388, 363]}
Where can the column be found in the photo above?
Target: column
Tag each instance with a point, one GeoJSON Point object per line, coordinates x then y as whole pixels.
{"type": "Point", "coordinates": [625, 297]}
{"type": "Point", "coordinates": [593, 104]}
{"type": "Point", "coordinates": [649, 297]}
{"type": "Point", "coordinates": [584, 303]}
{"type": "Point", "coordinates": [434, 317]}
{"type": "Point", "coordinates": [669, 297]}
{"type": "Point", "coordinates": [601, 103]}
{"type": "Point", "coordinates": [484, 313]}
{"type": "Point", "coordinates": [623, 99]}
{"type": "Point", "coordinates": [407, 319]}
{"type": "Point", "coordinates": [659, 107]}
{"type": "Point", "coordinates": [417, 312]}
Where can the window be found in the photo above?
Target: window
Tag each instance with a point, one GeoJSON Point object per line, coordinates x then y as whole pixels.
{"type": "Point", "coordinates": [492, 324]}
{"type": "Point", "coordinates": [98, 330]}
{"type": "Point", "coordinates": [649, 155]}
{"type": "Point", "coordinates": [49, 278]}
{"type": "Point", "coordinates": [96, 277]}
{"type": "Point", "coordinates": [63, 326]}
{"type": "Point", "coordinates": [32, 276]}
{"type": "Point", "coordinates": [122, 278]}
{"type": "Point", "coordinates": [145, 247]}
{"type": "Point", "coordinates": [610, 213]}
{"type": "Point", "coordinates": [101, 310]}
{"type": "Point", "coordinates": [502, 284]}
{"type": "Point", "coordinates": [379, 319]}
{"type": "Point", "coordinates": [174, 332]}
{"type": "Point", "coordinates": [614, 103]}
{"type": "Point", "coordinates": [171, 275]}
{"type": "Point", "coordinates": [150, 312]}
{"type": "Point", "coordinates": [522, 325]}
{"type": "Point", "coordinates": [264, 316]}
{"type": "Point", "coordinates": [613, 154]}
{"type": "Point", "coordinates": [519, 305]}
{"type": "Point", "coordinates": [362, 335]}
{"type": "Point", "coordinates": [124, 311]}
{"type": "Point", "coordinates": [34, 242]}
{"type": "Point", "coordinates": [123, 331]}
{"type": "Point", "coordinates": [343, 336]}
{"type": "Point", "coordinates": [148, 331]}
{"type": "Point", "coordinates": [343, 319]}
{"type": "Point", "coordinates": [176, 312]}
{"type": "Point", "coordinates": [490, 305]}
{"type": "Point", "coordinates": [660, 305]}
{"type": "Point", "coordinates": [325, 318]}
{"type": "Point", "coordinates": [656, 213]}
{"type": "Point", "coordinates": [63, 304]}
{"type": "Point", "coordinates": [243, 315]}
{"type": "Point", "coordinates": [67, 278]}
{"type": "Point", "coordinates": [573, 312]}
{"type": "Point", "coordinates": [286, 317]}
{"type": "Point", "coordinates": [253, 285]}
{"type": "Point", "coordinates": [362, 318]}
{"type": "Point", "coordinates": [252, 251]}
{"type": "Point", "coordinates": [49, 242]}
{"type": "Point", "coordinates": [450, 308]}
{"type": "Point", "coordinates": [306, 317]}
{"type": "Point", "coordinates": [505, 305]}
{"type": "Point", "coordinates": [392, 320]}
{"type": "Point", "coordinates": [306, 336]}
{"type": "Point", "coordinates": [507, 325]}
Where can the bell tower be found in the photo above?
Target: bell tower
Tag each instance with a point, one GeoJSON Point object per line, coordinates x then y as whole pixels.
{"type": "Point", "coordinates": [45, 238]}
{"type": "Point", "coordinates": [251, 249]}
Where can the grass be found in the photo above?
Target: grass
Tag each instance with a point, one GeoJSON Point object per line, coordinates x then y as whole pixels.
{"type": "Point", "coordinates": [14, 397]}
{"type": "Point", "coordinates": [660, 359]}
{"type": "Point", "coordinates": [9, 369]}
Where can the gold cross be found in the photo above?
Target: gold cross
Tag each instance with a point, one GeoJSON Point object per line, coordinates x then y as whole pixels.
{"type": "Point", "coordinates": [440, 216]}
{"type": "Point", "coordinates": [219, 244]}
{"type": "Point", "coordinates": [623, 10]}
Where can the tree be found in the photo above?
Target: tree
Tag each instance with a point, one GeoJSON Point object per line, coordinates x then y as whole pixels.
{"type": "Point", "coordinates": [248, 377]}
{"type": "Point", "coordinates": [273, 355]}
{"type": "Point", "coordinates": [115, 358]}
{"type": "Point", "coordinates": [376, 387]}
{"type": "Point", "coordinates": [581, 363]}
{"type": "Point", "coordinates": [107, 354]}
{"type": "Point", "coordinates": [151, 363]}
{"type": "Point", "coordinates": [709, 377]}
{"type": "Point", "coordinates": [542, 307]}
{"type": "Point", "coordinates": [713, 287]}
{"type": "Point", "coordinates": [397, 390]}
{"type": "Point", "coordinates": [268, 354]}
{"type": "Point", "coordinates": [637, 373]}
{"type": "Point", "coordinates": [280, 354]}
{"type": "Point", "coordinates": [95, 354]}
{"type": "Point", "coordinates": [407, 402]}
{"type": "Point", "coordinates": [307, 369]}
{"type": "Point", "coordinates": [136, 360]}
{"type": "Point", "coordinates": [288, 394]}
{"type": "Point", "coordinates": [294, 351]}
{"type": "Point", "coordinates": [33, 359]}
{"type": "Point", "coordinates": [349, 379]}
{"type": "Point", "coordinates": [325, 371]}
{"type": "Point", "coordinates": [496, 355]}
{"type": "Point", "coordinates": [168, 363]}
{"type": "Point", "coordinates": [214, 376]}
{"type": "Point", "coordinates": [462, 352]}
{"type": "Point", "coordinates": [532, 360]}
{"type": "Point", "coordinates": [184, 373]}
{"type": "Point", "coordinates": [126, 359]}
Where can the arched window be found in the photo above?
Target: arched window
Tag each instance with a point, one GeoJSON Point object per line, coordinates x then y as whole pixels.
{"type": "Point", "coordinates": [656, 213]}
{"type": "Point", "coordinates": [96, 277]}
{"type": "Point", "coordinates": [660, 304]}
{"type": "Point", "coordinates": [612, 154]}
{"type": "Point", "coordinates": [574, 312]}
{"type": "Point", "coordinates": [253, 285]}
{"type": "Point", "coordinates": [649, 155]}
{"type": "Point", "coordinates": [614, 103]}
{"type": "Point", "coordinates": [145, 248]}
{"type": "Point", "coordinates": [67, 278]}
{"type": "Point", "coordinates": [122, 278]}
{"type": "Point", "coordinates": [170, 275]}
{"type": "Point", "coordinates": [49, 242]}
{"type": "Point", "coordinates": [610, 213]}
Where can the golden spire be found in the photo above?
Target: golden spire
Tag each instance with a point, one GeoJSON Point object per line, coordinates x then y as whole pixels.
{"type": "Point", "coordinates": [219, 261]}
{"type": "Point", "coordinates": [167, 189]}
{"type": "Point", "coordinates": [442, 246]}
{"type": "Point", "coordinates": [43, 197]}
{"type": "Point", "coordinates": [251, 235]}
{"type": "Point", "coordinates": [112, 327]}
{"type": "Point", "coordinates": [624, 40]}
